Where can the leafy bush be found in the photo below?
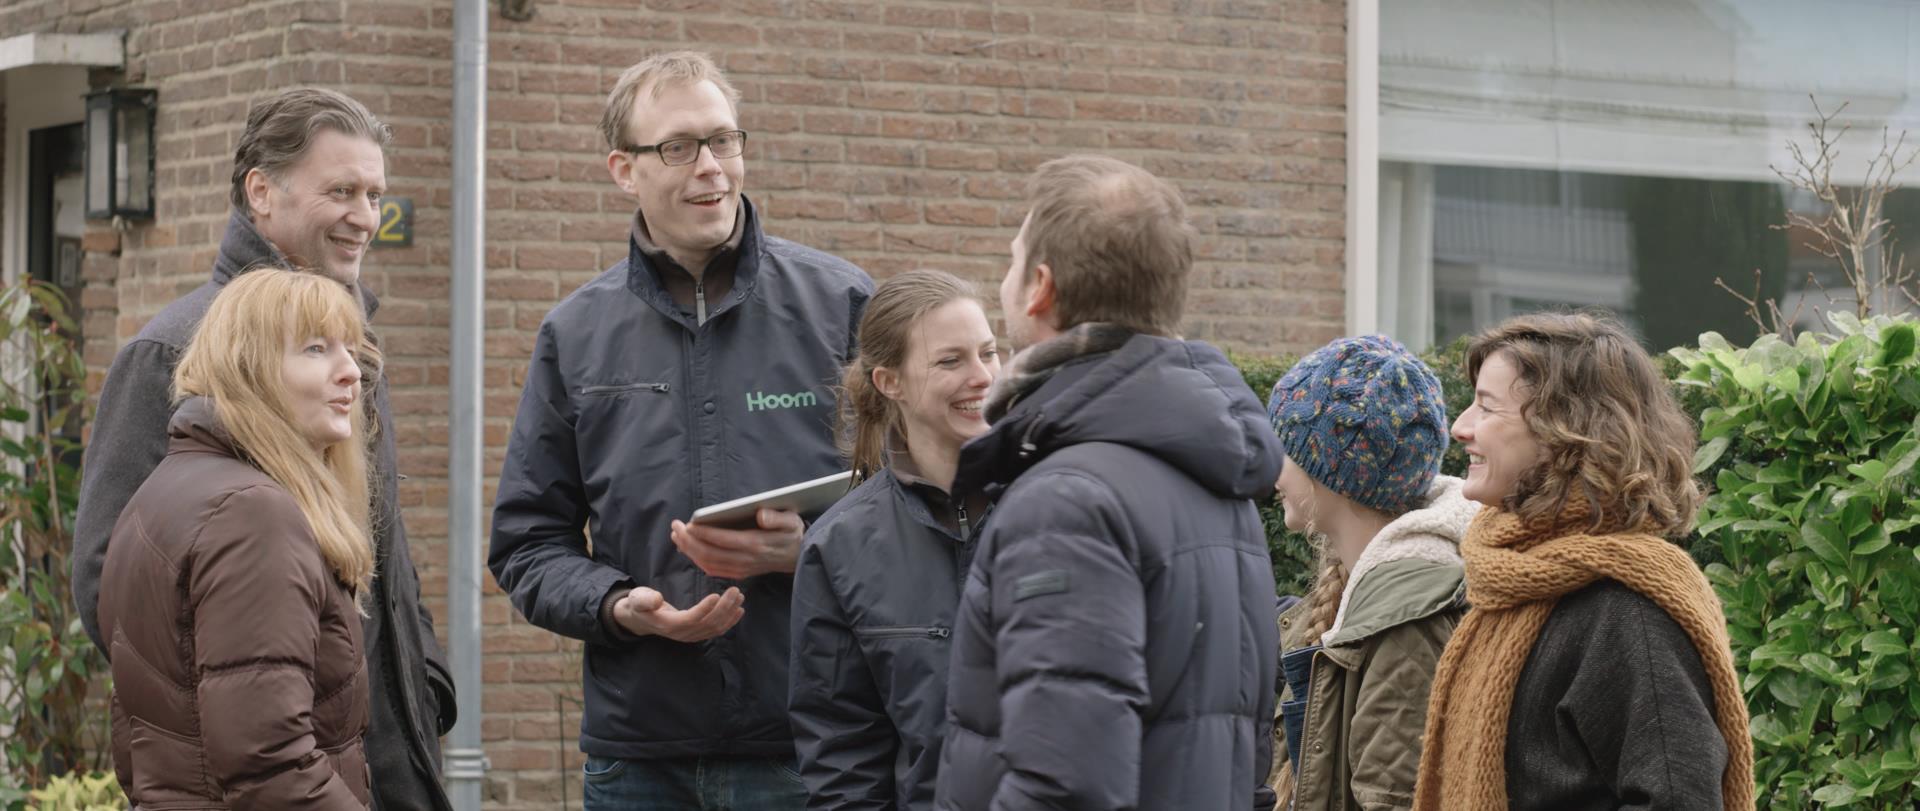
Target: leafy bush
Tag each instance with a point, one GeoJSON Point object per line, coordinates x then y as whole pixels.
{"type": "Point", "coordinates": [48, 663]}
{"type": "Point", "coordinates": [1294, 555]}
{"type": "Point", "coordinates": [75, 792]}
{"type": "Point", "coordinates": [1810, 532]}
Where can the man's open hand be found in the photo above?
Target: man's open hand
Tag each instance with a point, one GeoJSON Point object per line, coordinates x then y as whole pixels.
{"type": "Point", "coordinates": [645, 613]}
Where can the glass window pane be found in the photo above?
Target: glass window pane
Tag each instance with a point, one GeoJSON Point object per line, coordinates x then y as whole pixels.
{"type": "Point", "coordinates": [1581, 156]}
{"type": "Point", "coordinates": [99, 157]}
{"type": "Point", "coordinates": [135, 130]}
{"type": "Point", "coordinates": [1647, 249]}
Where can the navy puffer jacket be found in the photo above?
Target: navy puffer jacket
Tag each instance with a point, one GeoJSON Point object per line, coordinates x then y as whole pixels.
{"type": "Point", "coordinates": [1115, 645]}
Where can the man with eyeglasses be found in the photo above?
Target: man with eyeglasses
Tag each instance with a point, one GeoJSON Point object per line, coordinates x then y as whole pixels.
{"type": "Point", "coordinates": [698, 369]}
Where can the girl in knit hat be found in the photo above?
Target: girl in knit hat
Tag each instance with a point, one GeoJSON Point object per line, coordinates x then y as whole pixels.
{"type": "Point", "coordinates": [1363, 424]}
{"type": "Point", "coordinates": [1594, 671]}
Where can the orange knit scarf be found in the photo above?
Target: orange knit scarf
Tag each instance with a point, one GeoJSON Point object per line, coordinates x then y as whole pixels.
{"type": "Point", "coordinates": [1516, 574]}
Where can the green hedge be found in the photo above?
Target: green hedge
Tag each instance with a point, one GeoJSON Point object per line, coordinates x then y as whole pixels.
{"type": "Point", "coordinates": [1809, 534]}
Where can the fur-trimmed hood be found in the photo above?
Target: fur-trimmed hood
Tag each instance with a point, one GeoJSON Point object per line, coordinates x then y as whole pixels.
{"type": "Point", "coordinates": [1430, 533]}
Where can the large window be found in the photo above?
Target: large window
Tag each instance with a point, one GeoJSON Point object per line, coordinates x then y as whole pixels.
{"type": "Point", "coordinates": [1620, 154]}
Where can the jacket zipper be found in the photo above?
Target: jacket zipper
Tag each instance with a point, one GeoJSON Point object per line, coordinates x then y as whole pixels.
{"type": "Point", "coordinates": [699, 302]}
{"type": "Point", "coordinates": [935, 632]}
{"type": "Point", "coordinates": [962, 511]}
{"type": "Point", "coordinates": [623, 388]}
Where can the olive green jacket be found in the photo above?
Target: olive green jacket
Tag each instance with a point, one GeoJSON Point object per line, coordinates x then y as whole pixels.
{"type": "Point", "coordinates": [1367, 702]}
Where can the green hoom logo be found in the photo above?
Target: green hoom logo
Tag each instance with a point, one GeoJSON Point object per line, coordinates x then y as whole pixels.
{"type": "Point", "coordinates": [757, 401]}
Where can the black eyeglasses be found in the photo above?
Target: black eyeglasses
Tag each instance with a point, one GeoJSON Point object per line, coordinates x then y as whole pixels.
{"type": "Point", "coordinates": [682, 151]}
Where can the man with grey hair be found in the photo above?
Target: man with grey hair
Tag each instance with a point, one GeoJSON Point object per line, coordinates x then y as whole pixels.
{"type": "Point", "coordinates": [307, 180]}
{"type": "Point", "coordinates": [697, 369]}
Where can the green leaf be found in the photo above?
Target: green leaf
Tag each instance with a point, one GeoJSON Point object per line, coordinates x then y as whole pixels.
{"type": "Point", "coordinates": [1768, 730]}
{"type": "Point", "coordinates": [1909, 390]}
{"type": "Point", "coordinates": [1877, 714]}
{"type": "Point", "coordinates": [1709, 454]}
{"type": "Point", "coordinates": [1872, 470]}
{"type": "Point", "coordinates": [1887, 642]}
{"type": "Point", "coordinates": [1750, 377]}
{"type": "Point", "coordinates": [1786, 380]}
{"type": "Point", "coordinates": [1836, 794]}
{"type": "Point", "coordinates": [1715, 523]}
{"type": "Point", "coordinates": [1708, 526]}
{"type": "Point", "coordinates": [1857, 429]}
{"type": "Point", "coordinates": [1772, 651]}
{"type": "Point", "coordinates": [1876, 540]}
{"type": "Point", "coordinates": [1794, 691]}
{"type": "Point", "coordinates": [1855, 772]}
{"type": "Point", "coordinates": [1825, 667]}
{"type": "Point", "coordinates": [1856, 516]}
{"type": "Point", "coordinates": [1905, 461]}
{"type": "Point", "coordinates": [1824, 539]}
{"type": "Point", "coordinates": [1890, 673]}
{"type": "Point", "coordinates": [1896, 345]}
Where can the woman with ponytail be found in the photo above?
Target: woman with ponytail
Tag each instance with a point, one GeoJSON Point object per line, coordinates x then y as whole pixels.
{"type": "Point", "coordinates": [233, 581]}
{"type": "Point", "coordinates": [1364, 425]}
{"type": "Point", "coordinates": [879, 577]}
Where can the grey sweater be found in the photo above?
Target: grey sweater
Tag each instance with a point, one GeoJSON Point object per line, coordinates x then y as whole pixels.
{"type": "Point", "coordinates": [1613, 711]}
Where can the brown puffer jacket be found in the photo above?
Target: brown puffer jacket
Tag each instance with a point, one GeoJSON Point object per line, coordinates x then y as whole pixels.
{"type": "Point", "coordinates": [239, 678]}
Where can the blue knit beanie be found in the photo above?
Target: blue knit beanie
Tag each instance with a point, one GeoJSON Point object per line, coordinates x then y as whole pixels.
{"type": "Point", "coordinates": [1365, 418]}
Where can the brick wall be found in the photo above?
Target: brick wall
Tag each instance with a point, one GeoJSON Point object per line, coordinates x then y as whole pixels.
{"type": "Point", "coordinates": [895, 133]}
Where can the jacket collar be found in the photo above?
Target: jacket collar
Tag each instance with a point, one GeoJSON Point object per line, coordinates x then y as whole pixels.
{"type": "Point", "coordinates": [1397, 593]}
{"type": "Point", "coordinates": [901, 463]}
{"type": "Point", "coordinates": [1032, 368]}
{"type": "Point", "coordinates": [923, 496]}
{"type": "Point", "coordinates": [1179, 401]}
{"type": "Point", "coordinates": [1431, 592]}
{"type": "Point", "coordinates": [647, 264]}
{"type": "Point", "coordinates": [243, 248]}
{"type": "Point", "coordinates": [1430, 532]}
{"type": "Point", "coordinates": [642, 239]}
{"type": "Point", "coordinates": [196, 426]}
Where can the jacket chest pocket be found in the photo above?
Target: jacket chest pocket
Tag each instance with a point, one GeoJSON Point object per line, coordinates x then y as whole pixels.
{"type": "Point", "coordinates": [614, 420]}
{"type": "Point", "coordinates": [877, 633]}
{"type": "Point", "coordinates": [616, 389]}
{"type": "Point", "coordinates": [904, 656]}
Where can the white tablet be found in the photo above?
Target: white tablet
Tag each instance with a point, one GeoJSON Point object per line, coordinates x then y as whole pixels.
{"type": "Point", "coordinates": [806, 498]}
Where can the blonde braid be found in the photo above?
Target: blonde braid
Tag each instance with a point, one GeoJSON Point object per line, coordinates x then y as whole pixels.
{"type": "Point", "coordinates": [1323, 604]}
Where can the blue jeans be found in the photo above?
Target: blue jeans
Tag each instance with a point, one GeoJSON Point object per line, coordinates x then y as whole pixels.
{"type": "Point", "coordinates": [693, 784]}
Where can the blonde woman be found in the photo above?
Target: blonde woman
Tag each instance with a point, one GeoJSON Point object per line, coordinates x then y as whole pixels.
{"type": "Point", "coordinates": [230, 594]}
{"type": "Point", "coordinates": [1364, 425]}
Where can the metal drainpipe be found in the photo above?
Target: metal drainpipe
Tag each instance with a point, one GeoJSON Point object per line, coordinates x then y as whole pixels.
{"type": "Point", "coordinates": [466, 761]}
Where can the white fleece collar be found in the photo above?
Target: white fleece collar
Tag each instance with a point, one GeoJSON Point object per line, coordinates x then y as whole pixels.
{"type": "Point", "coordinates": [1432, 532]}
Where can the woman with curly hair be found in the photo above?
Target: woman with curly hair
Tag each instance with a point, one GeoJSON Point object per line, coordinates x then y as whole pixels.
{"type": "Point", "coordinates": [1593, 670]}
